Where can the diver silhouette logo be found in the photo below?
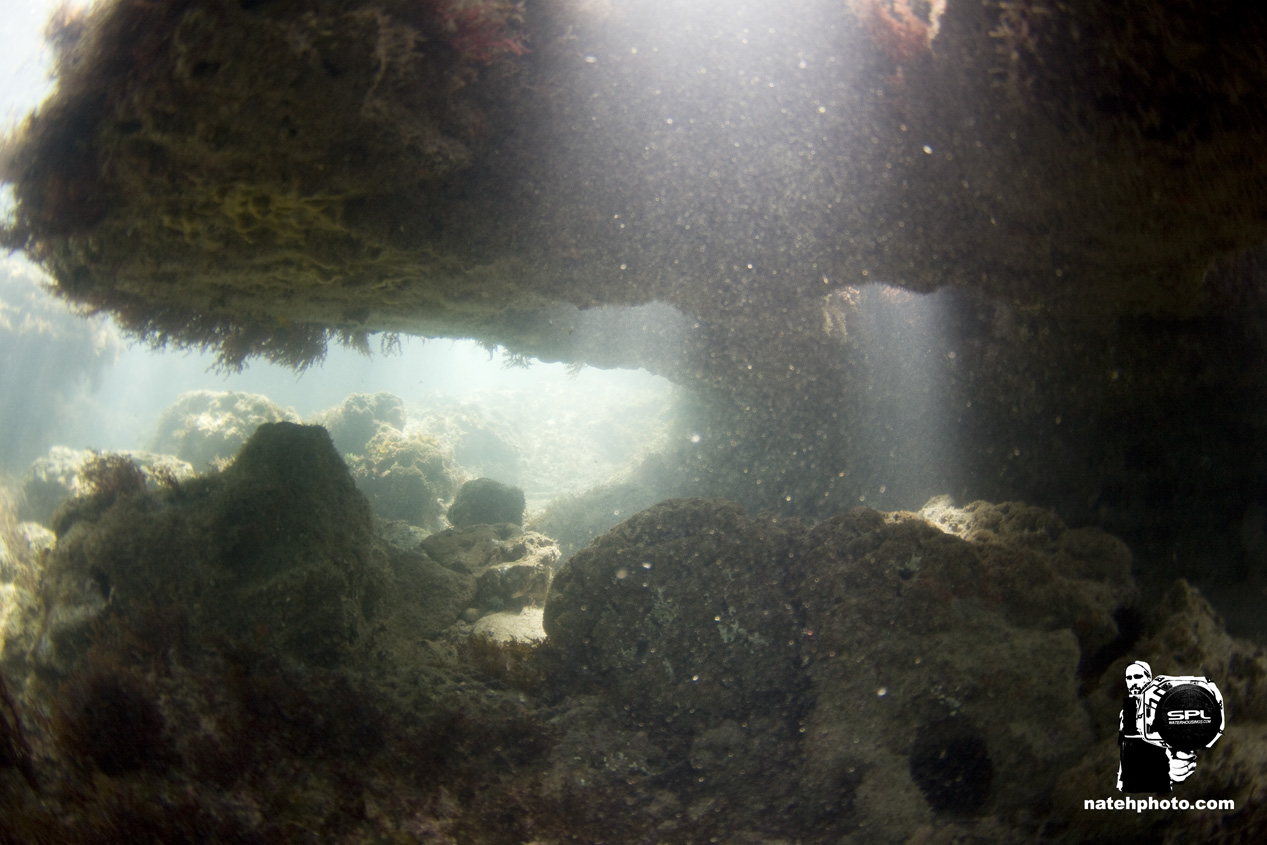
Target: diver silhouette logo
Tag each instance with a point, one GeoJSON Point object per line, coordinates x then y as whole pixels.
{"type": "Point", "coordinates": [1164, 721]}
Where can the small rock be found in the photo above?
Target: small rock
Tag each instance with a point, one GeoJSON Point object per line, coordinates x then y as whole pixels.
{"type": "Point", "coordinates": [504, 627]}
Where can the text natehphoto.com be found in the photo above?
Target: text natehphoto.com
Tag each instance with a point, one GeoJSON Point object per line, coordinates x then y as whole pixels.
{"type": "Point", "coordinates": [1139, 805]}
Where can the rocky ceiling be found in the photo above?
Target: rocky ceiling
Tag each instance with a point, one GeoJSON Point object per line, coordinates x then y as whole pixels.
{"type": "Point", "coordinates": [263, 175]}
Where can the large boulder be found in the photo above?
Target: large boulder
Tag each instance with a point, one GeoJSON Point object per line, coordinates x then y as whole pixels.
{"type": "Point", "coordinates": [685, 611]}
{"type": "Point", "coordinates": [512, 569]}
{"type": "Point", "coordinates": [878, 675]}
{"type": "Point", "coordinates": [276, 547]}
{"type": "Point", "coordinates": [945, 672]}
{"type": "Point", "coordinates": [488, 502]}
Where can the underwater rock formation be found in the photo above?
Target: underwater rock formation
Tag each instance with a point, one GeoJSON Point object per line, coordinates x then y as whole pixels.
{"type": "Point", "coordinates": [204, 426]}
{"type": "Point", "coordinates": [354, 421]}
{"type": "Point", "coordinates": [250, 640]}
{"type": "Point", "coordinates": [917, 632]}
{"type": "Point", "coordinates": [940, 661]}
{"type": "Point", "coordinates": [512, 568]}
{"type": "Point", "coordinates": [251, 182]}
{"type": "Point", "coordinates": [485, 501]}
{"type": "Point", "coordinates": [263, 178]}
{"type": "Point", "coordinates": [406, 475]}
{"type": "Point", "coordinates": [683, 612]}
{"type": "Point", "coordinates": [278, 543]}
{"type": "Point", "coordinates": [60, 475]}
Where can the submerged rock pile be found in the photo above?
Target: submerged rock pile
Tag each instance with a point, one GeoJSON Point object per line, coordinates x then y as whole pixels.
{"type": "Point", "coordinates": [248, 657]}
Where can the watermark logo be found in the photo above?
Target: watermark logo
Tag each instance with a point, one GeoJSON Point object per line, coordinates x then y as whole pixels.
{"type": "Point", "coordinates": [1165, 721]}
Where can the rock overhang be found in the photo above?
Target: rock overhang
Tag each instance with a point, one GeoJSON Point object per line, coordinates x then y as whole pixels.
{"type": "Point", "coordinates": [262, 178]}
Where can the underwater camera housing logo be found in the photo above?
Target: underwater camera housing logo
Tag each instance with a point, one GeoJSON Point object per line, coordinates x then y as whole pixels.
{"type": "Point", "coordinates": [1165, 720]}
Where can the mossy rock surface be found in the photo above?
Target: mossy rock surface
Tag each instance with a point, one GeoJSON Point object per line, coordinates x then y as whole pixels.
{"type": "Point", "coordinates": [204, 426]}
{"type": "Point", "coordinates": [406, 475]}
{"type": "Point", "coordinates": [488, 502]}
{"type": "Point", "coordinates": [354, 421]}
{"type": "Point", "coordinates": [685, 608]}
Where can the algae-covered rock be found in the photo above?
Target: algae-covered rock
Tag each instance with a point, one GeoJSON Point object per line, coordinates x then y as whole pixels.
{"type": "Point", "coordinates": [51, 480]}
{"type": "Point", "coordinates": [292, 528]}
{"type": "Point", "coordinates": [512, 569]}
{"type": "Point", "coordinates": [275, 547]}
{"type": "Point", "coordinates": [203, 426]}
{"type": "Point", "coordinates": [415, 596]}
{"type": "Point", "coordinates": [21, 544]}
{"type": "Point", "coordinates": [19, 613]}
{"type": "Point", "coordinates": [1043, 573]}
{"type": "Point", "coordinates": [59, 475]}
{"type": "Point", "coordinates": [506, 625]}
{"type": "Point", "coordinates": [406, 476]}
{"type": "Point", "coordinates": [685, 610]}
{"type": "Point", "coordinates": [278, 549]}
{"type": "Point", "coordinates": [945, 670]}
{"type": "Point", "coordinates": [521, 577]}
{"type": "Point", "coordinates": [259, 178]}
{"type": "Point", "coordinates": [513, 585]}
{"type": "Point", "coordinates": [908, 631]}
{"type": "Point", "coordinates": [473, 548]}
{"type": "Point", "coordinates": [937, 677]}
{"type": "Point", "coordinates": [400, 535]}
{"type": "Point", "coordinates": [354, 421]}
{"type": "Point", "coordinates": [486, 501]}
{"type": "Point", "coordinates": [8, 561]}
